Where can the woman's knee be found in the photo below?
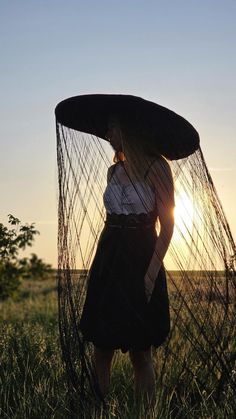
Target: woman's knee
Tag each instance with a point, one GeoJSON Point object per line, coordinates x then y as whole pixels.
{"type": "Point", "coordinates": [103, 355]}
{"type": "Point", "coordinates": [140, 358]}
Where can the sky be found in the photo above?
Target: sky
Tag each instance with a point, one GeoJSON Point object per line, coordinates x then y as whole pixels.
{"type": "Point", "coordinates": [180, 54]}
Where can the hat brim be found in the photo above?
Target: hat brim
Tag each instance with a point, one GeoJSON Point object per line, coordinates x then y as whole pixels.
{"type": "Point", "coordinates": [169, 133]}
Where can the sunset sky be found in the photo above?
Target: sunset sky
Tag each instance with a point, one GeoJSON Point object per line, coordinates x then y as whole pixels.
{"type": "Point", "coordinates": [180, 54]}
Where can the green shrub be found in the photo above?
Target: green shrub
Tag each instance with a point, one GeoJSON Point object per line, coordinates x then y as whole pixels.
{"type": "Point", "coordinates": [13, 239]}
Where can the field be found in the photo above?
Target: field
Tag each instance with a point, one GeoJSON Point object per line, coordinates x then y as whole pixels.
{"type": "Point", "coordinates": [33, 382]}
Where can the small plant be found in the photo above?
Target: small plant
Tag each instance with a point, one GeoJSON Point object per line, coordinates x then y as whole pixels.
{"type": "Point", "coordinates": [13, 239]}
{"type": "Point", "coordinates": [35, 268]}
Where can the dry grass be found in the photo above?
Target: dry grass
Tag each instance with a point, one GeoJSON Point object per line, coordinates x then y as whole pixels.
{"type": "Point", "coordinates": [33, 383]}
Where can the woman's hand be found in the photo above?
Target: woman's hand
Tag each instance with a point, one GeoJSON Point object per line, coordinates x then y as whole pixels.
{"type": "Point", "coordinates": [150, 278]}
{"type": "Point", "coordinates": [149, 283]}
{"type": "Point", "coordinates": [161, 178]}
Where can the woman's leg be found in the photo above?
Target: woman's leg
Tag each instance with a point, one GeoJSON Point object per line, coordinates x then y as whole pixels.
{"type": "Point", "coordinates": [103, 359]}
{"type": "Point", "coordinates": [144, 375]}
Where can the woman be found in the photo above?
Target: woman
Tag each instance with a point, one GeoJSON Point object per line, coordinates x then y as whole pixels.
{"type": "Point", "coordinates": [127, 302]}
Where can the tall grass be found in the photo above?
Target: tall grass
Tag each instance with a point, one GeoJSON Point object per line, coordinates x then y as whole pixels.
{"type": "Point", "coordinates": [33, 383]}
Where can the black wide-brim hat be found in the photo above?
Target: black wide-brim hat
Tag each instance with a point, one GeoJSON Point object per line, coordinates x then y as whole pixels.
{"type": "Point", "coordinates": [145, 122]}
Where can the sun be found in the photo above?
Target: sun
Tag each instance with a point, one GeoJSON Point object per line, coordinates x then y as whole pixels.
{"type": "Point", "coordinates": [183, 213]}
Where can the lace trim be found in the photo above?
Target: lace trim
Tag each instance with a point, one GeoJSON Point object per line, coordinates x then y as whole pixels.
{"type": "Point", "coordinates": [131, 219]}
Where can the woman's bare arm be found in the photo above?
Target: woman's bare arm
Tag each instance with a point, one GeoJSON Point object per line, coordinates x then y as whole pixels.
{"type": "Point", "coordinates": [109, 172]}
{"type": "Point", "coordinates": [161, 177]}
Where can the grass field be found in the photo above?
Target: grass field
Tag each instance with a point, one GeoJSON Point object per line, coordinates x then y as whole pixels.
{"type": "Point", "coordinates": [33, 382]}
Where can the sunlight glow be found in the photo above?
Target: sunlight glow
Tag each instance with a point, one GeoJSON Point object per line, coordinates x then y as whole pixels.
{"type": "Point", "coordinates": [184, 212]}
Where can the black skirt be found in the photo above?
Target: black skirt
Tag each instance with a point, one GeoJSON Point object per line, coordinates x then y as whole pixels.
{"type": "Point", "coordinates": [116, 314]}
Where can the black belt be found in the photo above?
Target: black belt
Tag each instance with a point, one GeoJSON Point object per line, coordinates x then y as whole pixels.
{"type": "Point", "coordinates": [143, 220]}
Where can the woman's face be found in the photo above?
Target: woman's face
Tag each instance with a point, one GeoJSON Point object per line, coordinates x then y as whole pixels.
{"type": "Point", "coordinates": [114, 136]}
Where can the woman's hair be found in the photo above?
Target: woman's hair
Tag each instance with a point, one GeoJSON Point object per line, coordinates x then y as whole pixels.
{"type": "Point", "coordinates": [115, 123]}
{"type": "Point", "coordinates": [118, 156]}
{"type": "Point", "coordinates": [131, 149]}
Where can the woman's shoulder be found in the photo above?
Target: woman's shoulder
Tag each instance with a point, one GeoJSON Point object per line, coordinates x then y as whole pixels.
{"type": "Point", "coordinates": [160, 175]}
{"type": "Point", "coordinates": [111, 167]}
{"type": "Point", "coordinates": [160, 166]}
{"type": "Point", "coordinates": [110, 171]}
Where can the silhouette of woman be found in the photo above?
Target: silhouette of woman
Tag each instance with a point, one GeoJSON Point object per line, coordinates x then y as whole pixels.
{"type": "Point", "coordinates": [127, 304]}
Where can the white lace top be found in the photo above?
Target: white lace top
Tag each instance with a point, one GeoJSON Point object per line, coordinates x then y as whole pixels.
{"type": "Point", "coordinates": [130, 198]}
